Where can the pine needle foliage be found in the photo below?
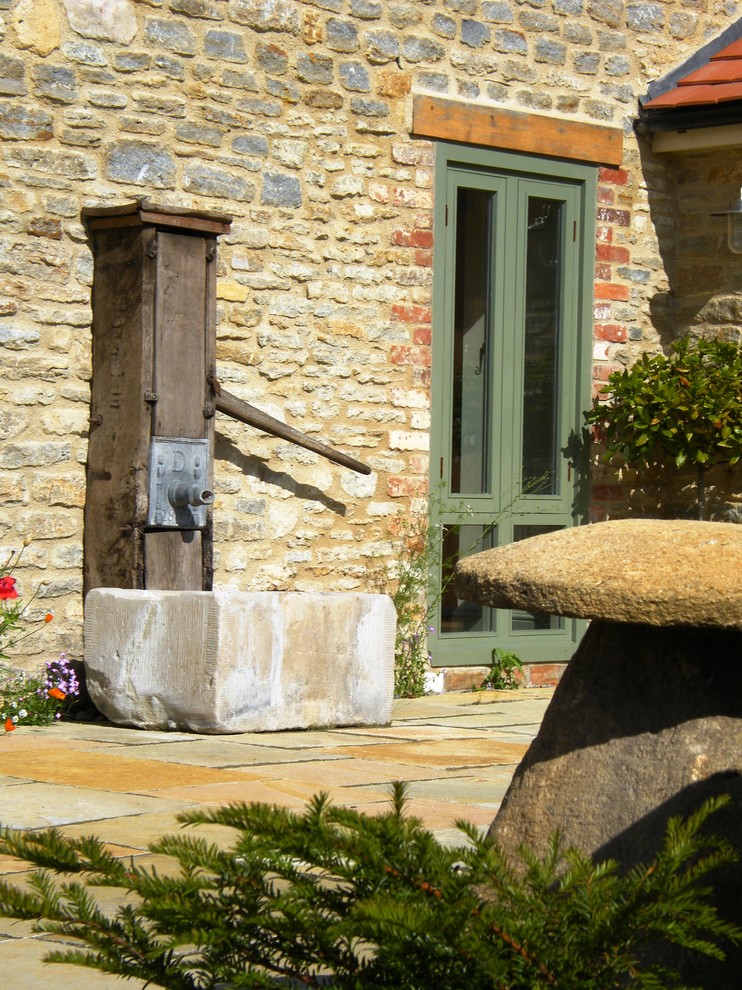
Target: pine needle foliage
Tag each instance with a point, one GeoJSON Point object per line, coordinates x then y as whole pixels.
{"type": "Point", "coordinates": [331, 895]}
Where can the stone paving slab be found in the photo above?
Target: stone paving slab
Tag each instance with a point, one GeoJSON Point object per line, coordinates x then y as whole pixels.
{"type": "Point", "coordinates": [217, 753]}
{"type": "Point", "coordinates": [446, 754]}
{"type": "Point", "coordinates": [110, 772]}
{"type": "Point", "coordinates": [288, 791]}
{"type": "Point", "coordinates": [456, 752]}
{"type": "Point", "coordinates": [133, 834]}
{"type": "Point", "coordinates": [42, 805]}
{"type": "Point", "coordinates": [23, 969]}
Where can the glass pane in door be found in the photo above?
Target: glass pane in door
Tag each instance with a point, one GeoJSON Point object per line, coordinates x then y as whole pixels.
{"type": "Point", "coordinates": [540, 452]}
{"type": "Point", "coordinates": [470, 406]}
{"type": "Point", "coordinates": [457, 614]}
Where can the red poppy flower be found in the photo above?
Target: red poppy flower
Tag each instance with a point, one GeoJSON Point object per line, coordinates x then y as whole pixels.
{"type": "Point", "coordinates": [7, 588]}
{"type": "Point", "coordinates": [9, 726]}
{"type": "Point", "coordinates": [56, 693]}
{"type": "Point", "coordinates": [48, 617]}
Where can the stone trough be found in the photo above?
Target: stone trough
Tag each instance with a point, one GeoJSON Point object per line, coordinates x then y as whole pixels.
{"type": "Point", "coordinates": [647, 720]}
{"type": "Point", "coordinates": [227, 661]}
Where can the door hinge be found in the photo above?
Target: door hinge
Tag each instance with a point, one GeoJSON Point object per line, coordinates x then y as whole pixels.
{"type": "Point", "coordinates": [574, 230]}
{"type": "Point", "coordinates": [446, 222]}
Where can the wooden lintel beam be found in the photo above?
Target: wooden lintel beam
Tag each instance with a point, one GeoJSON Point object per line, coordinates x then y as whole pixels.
{"type": "Point", "coordinates": [511, 130]}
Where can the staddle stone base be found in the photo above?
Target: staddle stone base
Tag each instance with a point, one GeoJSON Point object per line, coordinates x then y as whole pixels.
{"type": "Point", "coordinates": [645, 724]}
{"type": "Point", "coordinates": [226, 661]}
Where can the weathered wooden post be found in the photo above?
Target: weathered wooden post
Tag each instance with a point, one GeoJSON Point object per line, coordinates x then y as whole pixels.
{"type": "Point", "coordinates": [150, 464]}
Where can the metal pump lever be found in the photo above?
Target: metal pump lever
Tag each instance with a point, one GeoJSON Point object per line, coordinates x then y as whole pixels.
{"type": "Point", "coordinates": [244, 412]}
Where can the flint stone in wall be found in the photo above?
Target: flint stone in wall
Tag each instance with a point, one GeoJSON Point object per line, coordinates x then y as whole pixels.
{"type": "Point", "coordinates": [172, 35]}
{"type": "Point", "coordinates": [261, 15]}
{"type": "Point", "coordinates": [36, 25]}
{"type": "Point", "coordinates": [281, 190]}
{"type": "Point", "coordinates": [366, 9]}
{"type": "Point", "coordinates": [224, 661]}
{"type": "Point", "coordinates": [511, 41]}
{"type": "Point", "coordinates": [12, 77]}
{"type": "Point", "coordinates": [422, 50]}
{"type": "Point", "coordinates": [645, 17]}
{"type": "Point", "coordinates": [225, 45]}
{"type": "Point", "coordinates": [502, 12]}
{"type": "Point", "coordinates": [25, 124]}
{"type": "Point", "coordinates": [342, 36]}
{"type": "Point", "coordinates": [107, 20]}
{"type": "Point", "coordinates": [141, 164]}
{"type": "Point", "coordinates": [55, 82]}
{"type": "Point", "coordinates": [211, 181]}
{"type": "Point", "coordinates": [610, 12]}
{"type": "Point", "coordinates": [354, 76]}
{"type": "Point", "coordinates": [475, 34]}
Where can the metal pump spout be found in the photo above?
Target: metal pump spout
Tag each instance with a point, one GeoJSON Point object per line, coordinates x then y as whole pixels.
{"type": "Point", "coordinates": [180, 494]}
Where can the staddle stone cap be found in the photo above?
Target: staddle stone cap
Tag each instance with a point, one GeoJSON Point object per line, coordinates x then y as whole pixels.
{"type": "Point", "coordinates": [663, 572]}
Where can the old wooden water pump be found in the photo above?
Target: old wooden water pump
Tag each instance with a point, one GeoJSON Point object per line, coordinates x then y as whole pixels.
{"type": "Point", "coordinates": [154, 395]}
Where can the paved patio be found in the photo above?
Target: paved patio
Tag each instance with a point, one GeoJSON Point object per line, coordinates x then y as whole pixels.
{"type": "Point", "coordinates": [457, 752]}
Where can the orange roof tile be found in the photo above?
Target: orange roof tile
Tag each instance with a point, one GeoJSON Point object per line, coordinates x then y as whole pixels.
{"type": "Point", "coordinates": [720, 81]}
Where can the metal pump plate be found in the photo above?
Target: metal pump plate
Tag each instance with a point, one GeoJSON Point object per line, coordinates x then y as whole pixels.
{"type": "Point", "coordinates": [177, 468]}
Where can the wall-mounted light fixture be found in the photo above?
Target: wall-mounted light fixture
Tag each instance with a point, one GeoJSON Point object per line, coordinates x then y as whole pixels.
{"type": "Point", "coordinates": [734, 225]}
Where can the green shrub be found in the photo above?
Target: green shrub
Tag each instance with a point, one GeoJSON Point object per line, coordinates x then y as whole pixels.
{"type": "Point", "coordinates": [373, 902]}
{"type": "Point", "coordinates": [677, 410]}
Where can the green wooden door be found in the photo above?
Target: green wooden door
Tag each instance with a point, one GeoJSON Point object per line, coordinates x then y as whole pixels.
{"type": "Point", "coordinates": [513, 298]}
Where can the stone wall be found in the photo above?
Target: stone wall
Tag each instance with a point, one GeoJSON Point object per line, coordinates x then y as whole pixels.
{"type": "Point", "coordinates": [294, 117]}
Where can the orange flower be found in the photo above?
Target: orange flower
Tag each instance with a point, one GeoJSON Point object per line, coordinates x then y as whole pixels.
{"type": "Point", "coordinates": [48, 617]}
{"type": "Point", "coordinates": [56, 693]}
{"type": "Point", "coordinates": [9, 726]}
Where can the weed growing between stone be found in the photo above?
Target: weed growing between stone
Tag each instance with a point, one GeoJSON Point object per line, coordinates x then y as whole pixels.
{"type": "Point", "coordinates": [368, 901]}
{"type": "Point", "coordinates": [506, 673]}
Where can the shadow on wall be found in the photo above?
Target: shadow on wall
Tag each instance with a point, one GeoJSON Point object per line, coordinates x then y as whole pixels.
{"type": "Point", "coordinates": [704, 295]}
{"type": "Point", "coordinates": [256, 467]}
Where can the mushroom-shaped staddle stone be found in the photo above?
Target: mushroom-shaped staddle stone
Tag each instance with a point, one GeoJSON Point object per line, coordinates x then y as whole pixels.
{"type": "Point", "coordinates": [662, 572]}
{"type": "Point", "coordinates": [647, 720]}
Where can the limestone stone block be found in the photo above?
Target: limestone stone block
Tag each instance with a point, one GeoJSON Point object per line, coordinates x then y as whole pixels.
{"type": "Point", "coordinates": [36, 24]}
{"type": "Point", "coordinates": [226, 661]}
{"type": "Point", "coordinates": [108, 20]}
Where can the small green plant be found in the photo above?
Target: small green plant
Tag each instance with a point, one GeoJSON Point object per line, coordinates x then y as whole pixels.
{"type": "Point", "coordinates": [676, 410]}
{"type": "Point", "coordinates": [29, 700]}
{"type": "Point", "coordinates": [422, 579]}
{"type": "Point", "coordinates": [506, 673]}
{"type": "Point", "coordinates": [368, 902]}
{"type": "Point", "coordinates": [416, 552]}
